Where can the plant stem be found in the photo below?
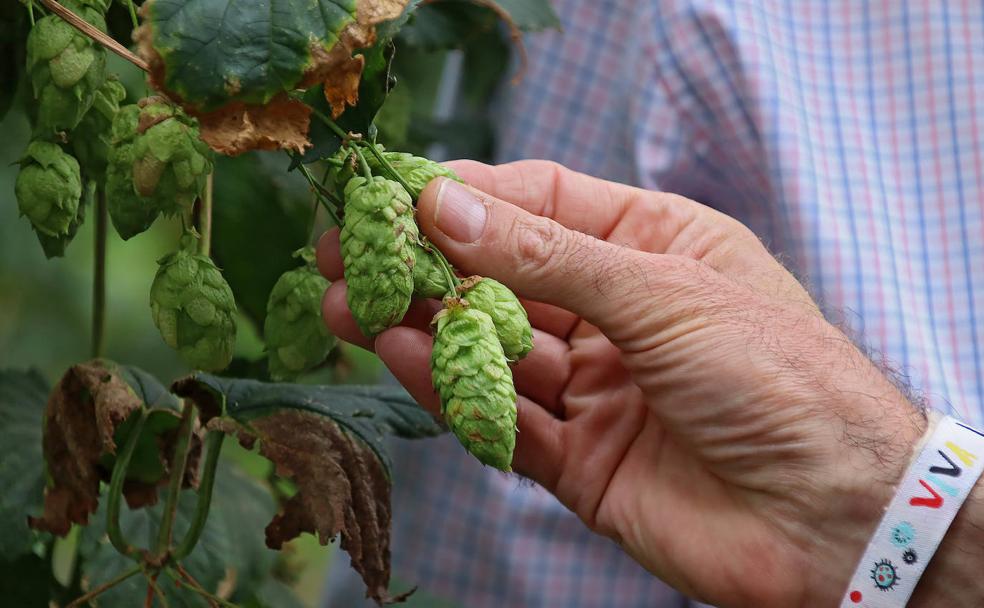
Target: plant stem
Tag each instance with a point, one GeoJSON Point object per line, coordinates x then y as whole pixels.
{"type": "Point", "coordinates": [179, 461]}
{"type": "Point", "coordinates": [330, 123]}
{"type": "Point", "coordinates": [79, 601]}
{"type": "Point", "coordinates": [99, 277]}
{"type": "Point", "coordinates": [116, 488]}
{"type": "Point", "coordinates": [30, 11]}
{"type": "Point", "coordinates": [197, 587]}
{"type": "Point", "coordinates": [152, 584]}
{"type": "Point", "coordinates": [367, 172]}
{"type": "Point", "coordinates": [205, 217]}
{"type": "Point", "coordinates": [133, 14]}
{"type": "Point", "coordinates": [214, 444]}
{"type": "Point", "coordinates": [89, 30]}
{"type": "Point", "coordinates": [324, 196]}
{"type": "Point", "coordinates": [448, 269]}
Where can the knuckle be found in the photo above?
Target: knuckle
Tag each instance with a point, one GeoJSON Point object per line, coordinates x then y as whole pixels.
{"type": "Point", "coordinates": [541, 245]}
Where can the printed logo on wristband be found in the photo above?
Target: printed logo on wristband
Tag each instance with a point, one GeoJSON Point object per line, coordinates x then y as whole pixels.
{"type": "Point", "coordinates": [925, 504]}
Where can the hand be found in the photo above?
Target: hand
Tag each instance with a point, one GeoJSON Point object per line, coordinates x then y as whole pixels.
{"type": "Point", "coordinates": [685, 397]}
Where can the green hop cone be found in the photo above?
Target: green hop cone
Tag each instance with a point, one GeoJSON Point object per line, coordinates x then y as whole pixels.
{"type": "Point", "coordinates": [93, 137]}
{"type": "Point", "coordinates": [378, 244]}
{"type": "Point", "coordinates": [66, 68]}
{"type": "Point", "coordinates": [472, 377]}
{"type": "Point", "coordinates": [428, 277]}
{"type": "Point", "coordinates": [416, 171]}
{"type": "Point", "coordinates": [297, 338]}
{"type": "Point", "coordinates": [157, 164]}
{"type": "Point", "coordinates": [131, 213]}
{"type": "Point", "coordinates": [508, 315]}
{"type": "Point", "coordinates": [49, 188]}
{"type": "Point", "coordinates": [194, 309]}
{"type": "Point", "coordinates": [170, 162]}
{"type": "Point", "coordinates": [54, 246]}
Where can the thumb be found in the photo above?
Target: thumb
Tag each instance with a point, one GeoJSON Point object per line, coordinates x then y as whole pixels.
{"type": "Point", "coordinates": [539, 258]}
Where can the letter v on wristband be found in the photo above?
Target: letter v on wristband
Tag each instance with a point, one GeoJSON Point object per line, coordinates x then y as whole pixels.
{"type": "Point", "coordinates": [927, 500]}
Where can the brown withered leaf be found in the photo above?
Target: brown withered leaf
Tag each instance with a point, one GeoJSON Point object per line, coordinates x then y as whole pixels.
{"type": "Point", "coordinates": [342, 488]}
{"type": "Point", "coordinates": [237, 127]}
{"type": "Point", "coordinates": [84, 411]}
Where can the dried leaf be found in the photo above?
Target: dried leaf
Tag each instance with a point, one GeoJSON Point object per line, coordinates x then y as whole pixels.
{"type": "Point", "coordinates": [237, 127]}
{"type": "Point", "coordinates": [84, 414]}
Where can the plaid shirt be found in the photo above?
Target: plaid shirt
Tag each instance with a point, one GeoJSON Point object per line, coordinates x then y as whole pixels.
{"type": "Point", "coordinates": [849, 134]}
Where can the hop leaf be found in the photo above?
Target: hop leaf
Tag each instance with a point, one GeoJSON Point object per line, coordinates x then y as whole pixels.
{"type": "Point", "coordinates": [416, 171]}
{"type": "Point", "coordinates": [470, 373]}
{"type": "Point", "coordinates": [194, 309]}
{"type": "Point", "coordinates": [93, 137]}
{"type": "Point", "coordinates": [297, 339]}
{"type": "Point", "coordinates": [49, 188]}
{"type": "Point", "coordinates": [377, 245]}
{"type": "Point", "coordinates": [428, 277]}
{"type": "Point", "coordinates": [508, 315]}
{"type": "Point", "coordinates": [66, 68]}
{"type": "Point", "coordinates": [157, 165]}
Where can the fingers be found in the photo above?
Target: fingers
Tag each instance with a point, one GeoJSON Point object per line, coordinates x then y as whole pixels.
{"type": "Point", "coordinates": [544, 373]}
{"type": "Point", "coordinates": [541, 259]}
{"type": "Point", "coordinates": [329, 255]}
{"type": "Point", "coordinates": [338, 317]}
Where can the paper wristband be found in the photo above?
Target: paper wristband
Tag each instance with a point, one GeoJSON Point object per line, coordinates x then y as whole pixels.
{"type": "Point", "coordinates": [928, 498]}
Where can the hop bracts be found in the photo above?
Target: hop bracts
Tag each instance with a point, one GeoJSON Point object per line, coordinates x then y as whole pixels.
{"type": "Point", "coordinates": [93, 137]}
{"type": "Point", "coordinates": [416, 171]}
{"type": "Point", "coordinates": [49, 188]}
{"type": "Point", "coordinates": [470, 373]}
{"type": "Point", "coordinates": [131, 213]}
{"type": "Point", "coordinates": [378, 244]}
{"type": "Point", "coordinates": [66, 69]}
{"type": "Point", "coordinates": [508, 315]}
{"type": "Point", "coordinates": [297, 339]}
{"type": "Point", "coordinates": [194, 309]}
{"type": "Point", "coordinates": [428, 277]}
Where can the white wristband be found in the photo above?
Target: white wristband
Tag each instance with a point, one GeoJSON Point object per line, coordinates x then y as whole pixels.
{"type": "Point", "coordinates": [927, 500]}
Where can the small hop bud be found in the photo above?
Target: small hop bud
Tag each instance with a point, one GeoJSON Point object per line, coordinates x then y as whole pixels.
{"type": "Point", "coordinates": [471, 375]}
{"type": "Point", "coordinates": [297, 338]}
{"type": "Point", "coordinates": [508, 315]}
{"type": "Point", "coordinates": [49, 188]}
{"type": "Point", "coordinates": [194, 309]}
{"type": "Point", "coordinates": [378, 244]}
{"type": "Point", "coordinates": [66, 68]}
{"type": "Point", "coordinates": [429, 280]}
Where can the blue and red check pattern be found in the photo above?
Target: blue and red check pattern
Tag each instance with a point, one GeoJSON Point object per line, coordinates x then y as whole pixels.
{"type": "Point", "coordinates": [849, 134]}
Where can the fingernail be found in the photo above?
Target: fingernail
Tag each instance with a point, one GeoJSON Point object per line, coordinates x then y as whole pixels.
{"type": "Point", "coordinates": [459, 213]}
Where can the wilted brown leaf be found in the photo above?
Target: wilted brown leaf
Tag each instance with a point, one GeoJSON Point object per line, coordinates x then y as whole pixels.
{"type": "Point", "coordinates": [236, 128]}
{"type": "Point", "coordinates": [84, 411]}
{"type": "Point", "coordinates": [341, 489]}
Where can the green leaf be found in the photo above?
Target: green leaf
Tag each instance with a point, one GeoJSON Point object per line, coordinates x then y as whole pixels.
{"type": "Point", "coordinates": [447, 25]}
{"type": "Point", "coordinates": [261, 217]}
{"type": "Point", "coordinates": [22, 401]}
{"type": "Point", "coordinates": [371, 413]}
{"type": "Point", "coordinates": [530, 15]}
{"type": "Point", "coordinates": [215, 51]}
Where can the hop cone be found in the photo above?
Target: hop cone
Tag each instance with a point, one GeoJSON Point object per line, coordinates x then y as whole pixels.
{"type": "Point", "coordinates": [297, 339]}
{"type": "Point", "coordinates": [66, 68]}
{"type": "Point", "coordinates": [93, 137]}
{"type": "Point", "coordinates": [194, 309]}
{"type": "Point", "coordinates": [508, 315]}
{"type": "Point", "coordinates": [170, 162]}
{"type": "Point", "coordinates": [54, 246]}
{"type": "Point", "coordinates": [377, 244]}
{"type": "Point", "coordinates": [131, 214]}
{"type": "Point", "coordinates": [415, 170]}
{"type": "Point", "coordinates": [428, 278]}
{"type": "Point", "coordinates": [470, 373]}
{"type": "Point", "coordinates": [49, 188]}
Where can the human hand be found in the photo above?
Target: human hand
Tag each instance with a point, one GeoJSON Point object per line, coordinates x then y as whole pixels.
{"type": "Point", "coordinates": [685, 397]}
